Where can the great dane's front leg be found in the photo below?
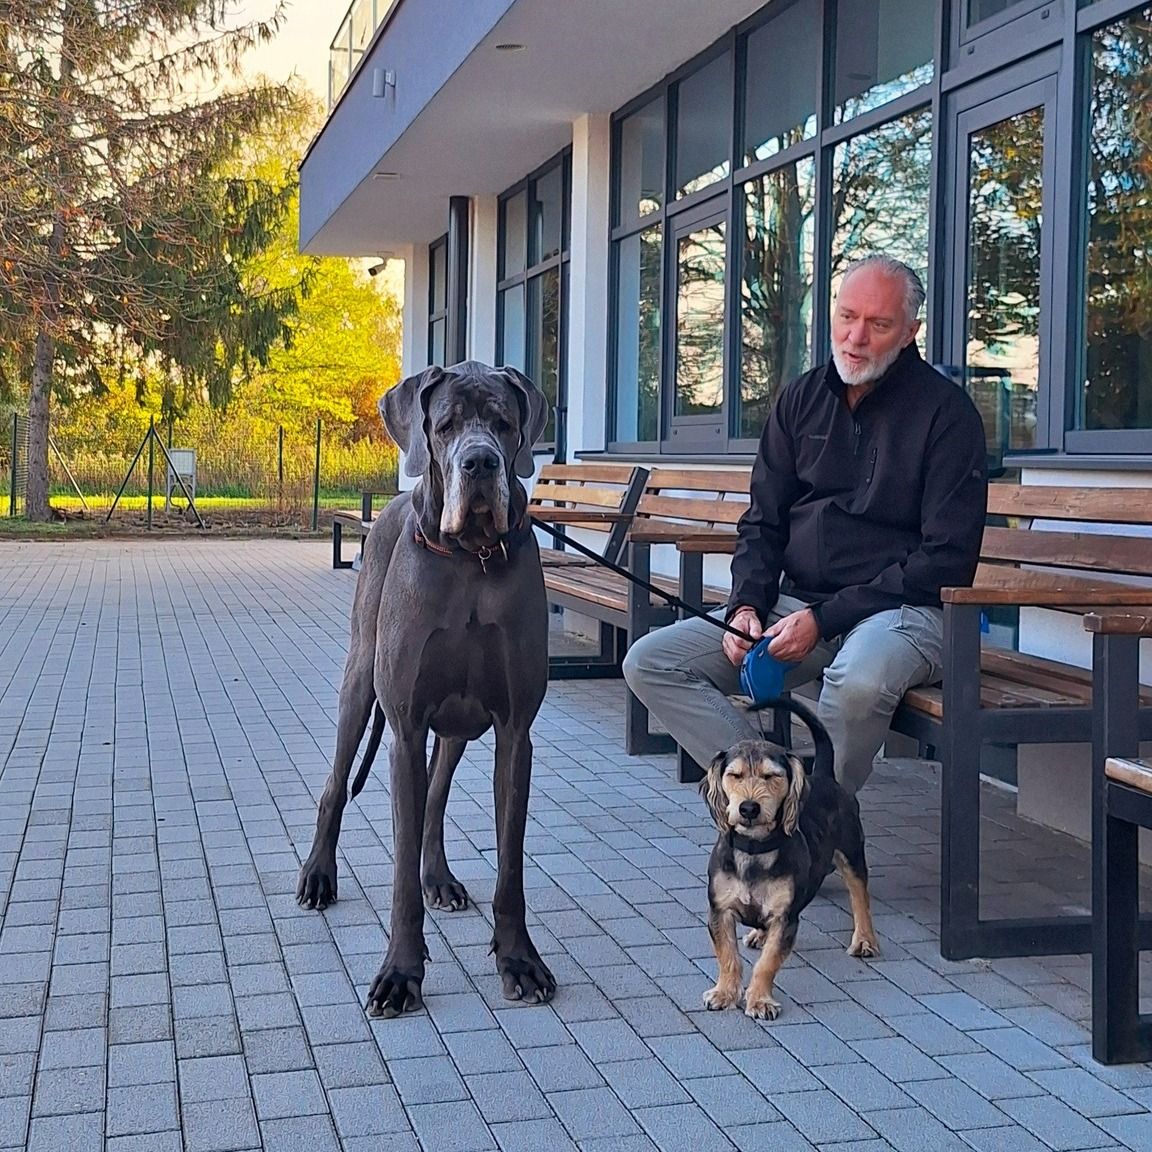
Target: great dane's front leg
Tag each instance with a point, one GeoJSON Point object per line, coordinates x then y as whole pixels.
{"type": "Point", "coordinates": [396, 988]}
{"type": "Point", "coordinates": [441, 888]}
{"type": "Point", "coordinates": [316, 887]}
{"type": "Point", "coordinates": [524, 975]}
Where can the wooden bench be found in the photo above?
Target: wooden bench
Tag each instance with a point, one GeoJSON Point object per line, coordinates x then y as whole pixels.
{"type": "Point", "coordinates": [359, 522]}
{"type": "Point", "coordinates": [676, 503]}
{"type": "Point", "coordinates": [993, 695]}
{"type": "Point", "coordinates": [1121, 805]}
{"type": "Point", "coordinates": [599, 498]}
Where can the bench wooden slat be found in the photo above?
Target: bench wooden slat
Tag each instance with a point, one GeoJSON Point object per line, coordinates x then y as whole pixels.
{"type": "Point", "coordinates": [1123, 555]}
{"type": "Point", "coordinates": [686, 509]}
{"type": "Point", "coordinates": [1134, 773]}
{"type": "Point", "coordinates": [1122, 623]}
{"type": "Point", "coordinates": [1105, 505]}
{"type": "Point", "coordinates": [1006, 585]}
{"type": "Point", "coordinates": [584, 473]}
{"type": "Point", "coordinates": [733, 480]}
{"type": "Point", "coordinates": [576, 495]}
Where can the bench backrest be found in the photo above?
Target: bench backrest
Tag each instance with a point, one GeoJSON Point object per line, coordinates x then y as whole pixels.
{"type": "Point", "coordinates": [595, 488]}
{"type": "Point", "coordinates": [684, 501]}
{"type": "Point", "coordinates": [1094, 551]}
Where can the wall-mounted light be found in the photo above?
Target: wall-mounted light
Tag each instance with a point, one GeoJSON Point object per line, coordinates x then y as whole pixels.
{"type": "Point", "coordinates": [382, 80]}
{"type": "Point", "coordinates": [385, 175]}
{"type": "Point", "coordinates": [511, 47]}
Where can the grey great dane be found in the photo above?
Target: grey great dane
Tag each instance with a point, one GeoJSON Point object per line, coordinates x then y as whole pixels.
{"type": "Point", "coordinates": [449, 635]}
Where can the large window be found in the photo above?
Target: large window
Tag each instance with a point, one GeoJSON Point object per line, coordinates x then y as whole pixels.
{"type": "Point", "coordinates": [740, 193]}
{"type": "Point", "coordinates": [532, 290]}
{"type": "Point", "coordinates": [1117, 361]}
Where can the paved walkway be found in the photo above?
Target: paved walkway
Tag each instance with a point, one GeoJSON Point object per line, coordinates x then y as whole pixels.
{"type": "Point", "coordinates": [167, 712]}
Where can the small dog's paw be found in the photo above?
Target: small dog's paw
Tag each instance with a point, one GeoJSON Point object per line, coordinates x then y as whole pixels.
{"type": "Point", "coordinates": [762, 1008]}
{"type": "Point", "coordinates": [721, 997]}
{"type": "Point", "coordinates": [755, 938]}
{"type": "Point", "coordinates": [864, 948]}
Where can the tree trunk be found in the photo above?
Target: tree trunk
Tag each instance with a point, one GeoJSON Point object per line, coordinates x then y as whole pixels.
{"type": "Point", "coordinates": [36, 506]}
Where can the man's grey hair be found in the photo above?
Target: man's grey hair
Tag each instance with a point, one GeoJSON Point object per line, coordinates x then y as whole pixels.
{"type": "Point", "coordinates": [914, 293]}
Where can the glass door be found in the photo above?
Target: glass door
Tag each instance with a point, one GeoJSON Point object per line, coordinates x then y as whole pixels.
{"type": "Point", "coordinates": [1000, 286]}
{"type": "Point", "coordinates": [698, 255]}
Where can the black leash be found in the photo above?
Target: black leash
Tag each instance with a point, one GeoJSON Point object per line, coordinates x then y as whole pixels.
{"type": "Point", "coordinates": [674, 601]}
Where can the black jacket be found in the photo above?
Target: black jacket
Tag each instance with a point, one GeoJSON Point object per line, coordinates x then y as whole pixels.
{"type": "Point", "coordinates": [867, 510]}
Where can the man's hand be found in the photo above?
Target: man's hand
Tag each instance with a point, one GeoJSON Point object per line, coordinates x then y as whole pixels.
{"type": "Point", "coordinates": [747, 621]}
{"type": "Point", "coordinates": [794, 636]}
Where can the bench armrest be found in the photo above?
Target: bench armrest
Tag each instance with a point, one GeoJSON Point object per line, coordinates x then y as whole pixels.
{"type": "Point", "coordinates": [1120, 623]}
{"type": "Point", "coordinates": [709, 543]}
{"type": "Point", "coordinates": [1022, 589]}
{"type": "Point", "coordinates": [366, 496]}
{"type": "Point", "coordinates": [577, 515]}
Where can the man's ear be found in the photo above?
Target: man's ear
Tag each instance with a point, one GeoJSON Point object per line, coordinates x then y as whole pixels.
{"type": "Point", "coordinates": [712, 789]}
{"type": "Point", "coordinates": [533, 417]}
{"type": "Point", "coordinates": [402, 408]}
{"type": "Point", "coordinates": [794, 801]}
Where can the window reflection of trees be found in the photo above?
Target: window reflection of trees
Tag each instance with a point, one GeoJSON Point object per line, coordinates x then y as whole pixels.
{"type": "Point", "coordinates": [880, 189]}
{"type": "Point", "coordinates": [1118, 313]}
{"type": "Point", "coordinates": [1005, 199]}
{"type": "Point", "coordinates": [775, 287]}
{"type": "Point", "coordinates": [638, 337]}
{"type": "Point", "coordinates": [700, 322]}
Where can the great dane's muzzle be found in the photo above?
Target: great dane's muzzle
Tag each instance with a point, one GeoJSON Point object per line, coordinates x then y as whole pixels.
{"type": "Point", "coordinates": [475, 482]}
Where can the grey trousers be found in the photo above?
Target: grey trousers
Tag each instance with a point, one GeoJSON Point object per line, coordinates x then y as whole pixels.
{"type": "Point", "coordinates": [684, 679]}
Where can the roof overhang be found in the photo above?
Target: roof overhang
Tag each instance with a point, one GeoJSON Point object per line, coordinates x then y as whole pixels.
{"type": "Point", "coordinates": [468, 119]}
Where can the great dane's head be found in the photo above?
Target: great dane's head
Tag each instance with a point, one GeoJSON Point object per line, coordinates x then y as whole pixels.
{"type": "Point", "coordinates": [468, 430]}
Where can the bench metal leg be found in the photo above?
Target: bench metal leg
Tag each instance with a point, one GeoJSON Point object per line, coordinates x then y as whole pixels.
{"type": "Point", "coordinates": [337, 537]}
{"type": "Point", "coordinates": [638, 740]}
{"type": "Point", "coordinates": [1119, 1032]}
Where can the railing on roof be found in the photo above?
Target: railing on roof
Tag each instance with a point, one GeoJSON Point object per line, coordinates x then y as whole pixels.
{"type": "Point", "coordinates": [350, 42]}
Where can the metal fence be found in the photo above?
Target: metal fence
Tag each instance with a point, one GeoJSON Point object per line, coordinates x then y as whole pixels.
{"type": "Point", "coordinates": [287, 478]}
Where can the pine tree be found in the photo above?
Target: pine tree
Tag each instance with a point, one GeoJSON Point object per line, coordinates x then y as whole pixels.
{"type": "Point", "coordinates": [122, 236]}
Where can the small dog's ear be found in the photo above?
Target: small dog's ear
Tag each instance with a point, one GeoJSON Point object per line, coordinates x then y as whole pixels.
{"type": "Point", "coordinates": [794, 801]}
{"type": "Point", "coordinates": [712, 789]}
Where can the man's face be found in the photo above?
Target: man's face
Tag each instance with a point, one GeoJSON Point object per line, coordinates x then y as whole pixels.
{"type": "Point", "coordinates": [870, 325]}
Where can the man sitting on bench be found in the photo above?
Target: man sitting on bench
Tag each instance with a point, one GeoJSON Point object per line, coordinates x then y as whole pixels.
{"type": "Point", "coordinates": [868, 496]}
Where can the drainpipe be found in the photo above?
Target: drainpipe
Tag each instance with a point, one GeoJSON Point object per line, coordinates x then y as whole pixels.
{"type": "Point", "coordinates": [456, 342]}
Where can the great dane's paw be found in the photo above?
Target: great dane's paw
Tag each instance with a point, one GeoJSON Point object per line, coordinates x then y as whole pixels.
{"type": "Point", "coordinates": [864, 948]}
{"type": "Point", "coordinates": [444, 892]}
{"type": "Point", "coordinates": [762, 1008]}
{"type": "Point", "coordinates": [523, 974]}
{"type": "Point", "coordinates": [316, 887]}
{"type": "Point", "coordinates": [395, 992]}
{"type": "Point", "coordinates": [721, 997]}
{"type": "Point", "coordinates": [755, 937]}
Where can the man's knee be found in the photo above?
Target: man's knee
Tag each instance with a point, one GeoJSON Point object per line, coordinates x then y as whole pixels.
{"type": "Point", "coordinates": [640, 662]}
{"type": "Point", "coordinates": [857, 693]}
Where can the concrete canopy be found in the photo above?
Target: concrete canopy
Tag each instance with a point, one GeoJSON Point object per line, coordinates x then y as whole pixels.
{"type": "Point", "coordinates": [468, 119]}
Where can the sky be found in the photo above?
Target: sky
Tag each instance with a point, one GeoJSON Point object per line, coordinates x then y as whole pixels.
{"type": "Point", "coordinates": [302, 45]}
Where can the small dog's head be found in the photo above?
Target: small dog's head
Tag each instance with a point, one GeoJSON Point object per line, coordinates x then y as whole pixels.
{"type": "Point", "coordinates": [754, 788]}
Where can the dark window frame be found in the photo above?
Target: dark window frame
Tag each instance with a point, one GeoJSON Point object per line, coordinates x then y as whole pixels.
{"type": "Point", "coordinates": [532, 272]}
{"type": "Point", "coordinates": [436, 315]}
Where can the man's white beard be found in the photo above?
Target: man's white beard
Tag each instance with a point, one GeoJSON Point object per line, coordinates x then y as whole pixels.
{"type": "Point", "coordinates": [868, 372]}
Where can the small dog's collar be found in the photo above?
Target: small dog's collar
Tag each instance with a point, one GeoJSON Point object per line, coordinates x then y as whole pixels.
{"type": "Point", "coordinates": [757, 845]}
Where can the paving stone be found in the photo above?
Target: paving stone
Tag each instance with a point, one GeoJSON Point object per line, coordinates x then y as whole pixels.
{"type": "Point", "coordinates": [682, 1128]}
{"type": "Point", "coordinates": [534, 1135]}
{"type": "Point", "coordinates": [898, 1059]}
{"type": "Point", "coordinates": [1055, 1123]}
{"type": "Point", "coordinates": [608, 1040]}
{"type": "Point", "coordinates": [592, 1112]}
{"type": "Point", "coordinates": [456, 1127]}
{"type": "Point", "coordinates": [427, 1080]}
{"type": "Point", "coordinates": [507, 1096]}
{"type": "Point", "coordinates": [955, 1105]}
{"type": "Point", "coordinates": [1082, 1091]}
{"type": "Point", "coordinates": [561, 1067]}
{"type": "Point", "coordinates": [821, 1117]}
{"type": "Point", "coordinates": [60, 1091]}
{"type": "Point", "coordinates": [279, 1095]}
{"type": "Point", "coordinates": [220, 1126]}
{"type": "Point", "coordinates": [367, 1111]}
{"type": "Point", "coordinates": [780, 1137]}
{"type": "Point", "coordinates": [14, 1111]}
{"type": "Point", "coordinates": [213, 1078]}
{"type": "Point", "coordinates": [687, 1057]}
{"type": "Point", "coordinates": [132, 1111]}
{"type": "Point", "coordinates": [862, 1087]}
{"type": "Point", "coordinates": [303, 1134]}
{"type": "Point", "coordinates": [279, 1050]}
{"type": "Point", "coordinates": [643, 1083]}
{"type": "Point", "coordinates": [914, 1130]}
{"type": "Point", "coordinates": [78, 1133]}
{"type": "Point", "coordinates": [1019, 1049]}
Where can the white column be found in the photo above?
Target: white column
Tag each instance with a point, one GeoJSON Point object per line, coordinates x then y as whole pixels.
{"type": "Point", "coordinates": [482, 281]}
{"type": "Point", "coordinates": [588, 286]}
{"type": "Point", "coordinates": [414, 346]}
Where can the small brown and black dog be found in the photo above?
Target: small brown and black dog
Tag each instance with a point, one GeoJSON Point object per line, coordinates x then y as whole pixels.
{"type": "Point", "coordinates": [781, 833]}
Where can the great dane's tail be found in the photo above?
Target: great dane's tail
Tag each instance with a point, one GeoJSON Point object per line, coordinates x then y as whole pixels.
{"type": "Point", "coordinates": [369, 752]}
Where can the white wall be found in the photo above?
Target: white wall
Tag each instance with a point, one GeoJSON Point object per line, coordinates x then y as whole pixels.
{"type": "Point", "coordinates": [414, 348]}
{"type": "Point", "coordinates": [482, 280]}
{"type": "Point", "coordinates": [588, 286]}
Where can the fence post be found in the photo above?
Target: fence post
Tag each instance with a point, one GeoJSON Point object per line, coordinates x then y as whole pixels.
{"type": "Point", "coordinates": [316, 481]}
{"type": "Point", "coordinates": [151, 463]}
{"type": "Point", "coordinates": [12, 484]}
{"type": "Point", "coordinates": [280, 460]}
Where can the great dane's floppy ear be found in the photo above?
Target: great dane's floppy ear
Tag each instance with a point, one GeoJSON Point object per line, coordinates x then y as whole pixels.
{"type": "Point", "coordinates": [534, 415]}
{"type": "Point", "coordinates": [402, 409]}
{"type": "Point", "coordinates": [794, 801]}
{"type": "Point", "coordinates": [712, 789]}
